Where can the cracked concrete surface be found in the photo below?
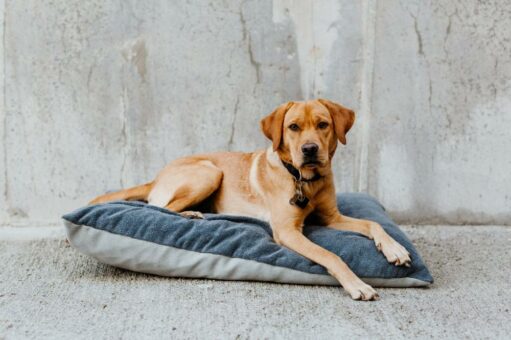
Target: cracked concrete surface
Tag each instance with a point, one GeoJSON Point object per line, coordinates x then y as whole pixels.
{"type": "Point", "coordinates": [48, 290]}
{"type": "Point", "coordinates": [99, 95]}
{"type": "Point", "coordinates": [439, 144]}
{"type": "Point", "coordinates": [95, 95]}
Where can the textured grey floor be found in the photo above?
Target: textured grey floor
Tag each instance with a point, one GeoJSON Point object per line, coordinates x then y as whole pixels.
{"type": "Point", "coordinates": [48, 290]}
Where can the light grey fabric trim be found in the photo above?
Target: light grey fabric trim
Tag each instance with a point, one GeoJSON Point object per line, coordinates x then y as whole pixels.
{"type": "Point", "coordinates": [147, 257]}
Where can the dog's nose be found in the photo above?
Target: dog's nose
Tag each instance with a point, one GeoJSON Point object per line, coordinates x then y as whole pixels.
{"type": "Point", "coordinates": [310, 149]}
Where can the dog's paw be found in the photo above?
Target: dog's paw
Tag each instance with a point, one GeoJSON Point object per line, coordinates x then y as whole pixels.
{"type": "Point", "coordinates": [362, 291]}
{"type": "Point", "coordinates": [194, 215]}
{"type": "Point", "coordinates": [393, 251]}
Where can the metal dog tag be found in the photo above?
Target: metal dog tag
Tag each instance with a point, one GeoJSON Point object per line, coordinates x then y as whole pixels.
{"type": "Point", "coordinates": [299, 200]}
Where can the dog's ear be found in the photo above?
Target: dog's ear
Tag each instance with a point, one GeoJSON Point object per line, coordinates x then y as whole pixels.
{"type": "Point", "coordinates": [273, 123]}
{"type": "Point", "coordinates": [342, 117]}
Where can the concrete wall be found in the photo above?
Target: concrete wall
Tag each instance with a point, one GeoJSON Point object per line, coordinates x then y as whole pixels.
{"type": "Point", "coordinates": [100, 95]}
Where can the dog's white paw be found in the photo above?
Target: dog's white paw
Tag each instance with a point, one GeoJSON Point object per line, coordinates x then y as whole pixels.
{"type": "Point", "coordinates": [362, 291]}
{"type": "Point", "coordinates": [393, 251]}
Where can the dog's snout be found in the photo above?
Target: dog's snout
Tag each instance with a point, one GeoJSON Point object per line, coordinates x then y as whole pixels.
{"type": "Point", "coordinates": [310, 149]}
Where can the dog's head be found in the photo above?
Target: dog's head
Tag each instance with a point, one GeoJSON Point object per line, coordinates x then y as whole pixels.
{"type": "Point", "coordinates": [306, 133]}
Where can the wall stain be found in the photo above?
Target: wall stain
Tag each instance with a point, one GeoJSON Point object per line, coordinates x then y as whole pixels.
{"type": "Point", "coordinates": [135, 52]}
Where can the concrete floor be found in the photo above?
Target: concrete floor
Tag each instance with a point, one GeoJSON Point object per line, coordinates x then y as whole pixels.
{"type": "Point", "coordinates": [48, 290]}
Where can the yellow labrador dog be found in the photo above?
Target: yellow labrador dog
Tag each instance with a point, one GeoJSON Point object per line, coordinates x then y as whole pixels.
{"type": "Point", "coordinates": [284, 184]}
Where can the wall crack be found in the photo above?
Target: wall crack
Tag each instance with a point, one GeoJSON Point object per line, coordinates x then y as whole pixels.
{"type": "Point", "coordinates": [246, 37]}
{"type": "Point", "coordinates": [230, 142]}
{"type": "Point", "coordinates": [418, 34]}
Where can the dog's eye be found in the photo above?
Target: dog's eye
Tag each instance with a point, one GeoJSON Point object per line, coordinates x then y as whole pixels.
{"type": "Point", "coordinates": [294, 127]}
{"type": "Point", "coordinates": [323, 125]}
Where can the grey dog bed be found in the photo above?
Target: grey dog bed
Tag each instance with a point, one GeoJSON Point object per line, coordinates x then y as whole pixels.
{"type": "Point", "coordinates": [148, 239]}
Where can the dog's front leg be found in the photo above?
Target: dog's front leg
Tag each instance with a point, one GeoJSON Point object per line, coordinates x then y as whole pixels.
{"type": "Point", "coordinates": [288, 232]}
{"type": "Point", "coordinates": [394, 252]}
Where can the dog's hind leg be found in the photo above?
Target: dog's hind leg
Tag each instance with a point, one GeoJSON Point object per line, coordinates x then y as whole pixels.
{"type": "Point", "coordinates": [139, 192]}
{"type": "Point", "coordinates": [185, 183]}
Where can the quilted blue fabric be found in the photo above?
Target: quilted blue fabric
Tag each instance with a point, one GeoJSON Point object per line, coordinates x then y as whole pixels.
{"type": "Point", "coordinates": [251, 239]}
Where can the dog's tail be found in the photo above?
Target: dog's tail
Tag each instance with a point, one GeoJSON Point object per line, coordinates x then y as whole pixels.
{"type": "Point", "coordinates": [140, 192]}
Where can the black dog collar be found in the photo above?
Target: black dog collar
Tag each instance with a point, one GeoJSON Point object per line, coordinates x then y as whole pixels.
{"type": "Point", "coordinates": [299, 199]}
{"type": "Point", "coordinates": [296, 173]}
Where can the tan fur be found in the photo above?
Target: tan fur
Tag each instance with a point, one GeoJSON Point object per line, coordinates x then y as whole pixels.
{"type": "Point", "coordinates": [257, 184]}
